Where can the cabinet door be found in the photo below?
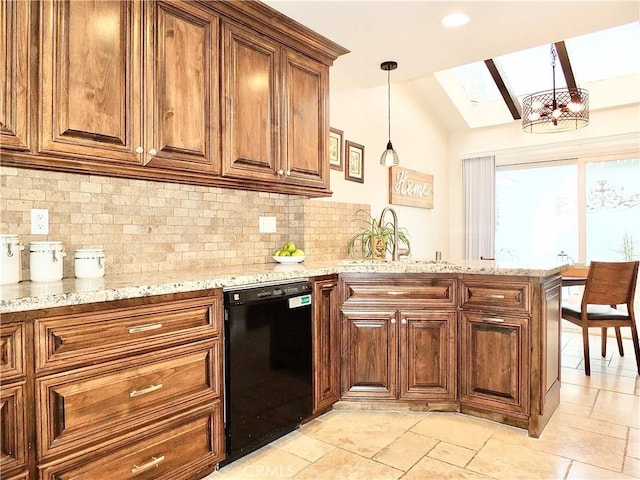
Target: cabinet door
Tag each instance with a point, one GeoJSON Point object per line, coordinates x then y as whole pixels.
{"type": "Point", "coordinates": [90, 79]}
{"type": "Point", "coordinates": [495, 363]}
{"type": "Point", "coordinates": [369, 354]}
{"type": "Point", "coordinates": [13, 433]}
{"type": "Point", "coordinates": [428, 357]}
{"type": "Point", "coordinates": [306, 121]}
{"type": "Point", "coordinates": [181, 87]}
{"type": "Point", "coordinates": [250, 128]}
{"type": "Point", "coordinates": [326, 344]}
{"type": "Point", "coordinates": [15, 21]}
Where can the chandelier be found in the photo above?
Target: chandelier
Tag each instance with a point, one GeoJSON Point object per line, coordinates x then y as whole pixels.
{"type": "Point", "coordinates": [555, 110]}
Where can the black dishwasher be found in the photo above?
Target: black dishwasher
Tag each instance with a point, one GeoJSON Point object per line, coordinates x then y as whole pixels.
{"type": "Point", "coordinates": [268, 364]}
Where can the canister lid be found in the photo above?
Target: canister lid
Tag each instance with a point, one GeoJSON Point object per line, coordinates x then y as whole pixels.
{"type": "Point", "coordinates": [89, 253]}
{"type": "Point", "coordinates": [45, 246]}
{"type": "Point", "coordinates": [9, 238]}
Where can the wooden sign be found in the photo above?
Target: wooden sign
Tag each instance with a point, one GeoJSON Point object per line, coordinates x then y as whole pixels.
{"type": "Point", "coordinates": [411, 188]}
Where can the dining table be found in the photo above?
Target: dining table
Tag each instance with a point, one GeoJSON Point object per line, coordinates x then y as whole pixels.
{"type": "Point", "coordinates": [574, 275]}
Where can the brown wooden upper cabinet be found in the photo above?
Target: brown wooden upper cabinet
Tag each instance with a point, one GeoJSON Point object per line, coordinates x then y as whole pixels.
{"type": "Point", "coordinates": [15, 54]}
{"type": "Point", "coordinates": [275, 114]}
{"type": "Point", "coordinates": [130, 92]}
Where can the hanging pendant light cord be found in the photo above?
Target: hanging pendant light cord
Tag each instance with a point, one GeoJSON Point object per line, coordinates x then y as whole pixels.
{"type": "Point", "coordinates": [389, 101]}
{"type": "Point", "coordinates": [553, 68]}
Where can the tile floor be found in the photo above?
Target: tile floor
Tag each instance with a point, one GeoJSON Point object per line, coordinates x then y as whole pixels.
{"type": "Point", "coordinates": [594, 434]}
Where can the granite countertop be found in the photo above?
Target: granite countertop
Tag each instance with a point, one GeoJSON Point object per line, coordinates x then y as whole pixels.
{"type": "Point", "coordinates": [71, 291]}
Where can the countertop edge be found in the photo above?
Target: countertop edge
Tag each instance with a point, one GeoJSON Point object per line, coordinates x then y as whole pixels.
{"type": "Point", "coordinates": [28, 296]}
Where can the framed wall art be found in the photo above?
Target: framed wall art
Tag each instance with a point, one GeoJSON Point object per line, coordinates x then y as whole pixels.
{"type": "Point", "coordinates": [336, 150]}
{"type": "Point", "coordinates": [354, 168]}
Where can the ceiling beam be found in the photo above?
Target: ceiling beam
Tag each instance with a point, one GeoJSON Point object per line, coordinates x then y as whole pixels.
{"type": "Point", "coordinates": [511, 100]}
{"type": "Point", "coordinates": [565, 63]}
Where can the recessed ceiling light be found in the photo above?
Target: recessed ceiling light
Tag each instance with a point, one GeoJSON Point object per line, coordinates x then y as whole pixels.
{"type": "Point", "coordinates": [455, 20]}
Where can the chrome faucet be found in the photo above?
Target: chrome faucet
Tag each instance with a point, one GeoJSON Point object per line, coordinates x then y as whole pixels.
{"type": "Point", "coordinates": [396, 252]}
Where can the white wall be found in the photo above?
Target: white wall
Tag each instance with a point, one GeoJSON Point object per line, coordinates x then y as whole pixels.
{"type": "Point", "coordinates": [421, 145]}
{"type": "Point", "coordinates": [613, 131]}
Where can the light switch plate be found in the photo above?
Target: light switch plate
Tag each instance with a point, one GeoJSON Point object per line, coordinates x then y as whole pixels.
{"type": "Point", "coordinates": [267, 224]}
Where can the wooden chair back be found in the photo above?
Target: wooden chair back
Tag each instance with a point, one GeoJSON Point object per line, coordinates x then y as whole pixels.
{"type": "Point", "coordinates": [610, 283]}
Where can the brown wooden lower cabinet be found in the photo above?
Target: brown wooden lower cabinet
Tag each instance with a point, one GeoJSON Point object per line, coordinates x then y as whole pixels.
{"type": "Point", "coordinates": [399, 354]}
{"type": "Point", "coordinates": [326, 343]}
{"type": "Point", "coordinates": [183, 447]}
{"type": "Point", "coordinates": [487, 345]}
{"type": "Point", "coordinates": [495, 363]}
{"type": "Point", "coordinates": [122, 389]}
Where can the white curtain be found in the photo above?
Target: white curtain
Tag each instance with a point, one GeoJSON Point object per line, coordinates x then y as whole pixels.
{"type": "Point", "coordinates": [479, 206]}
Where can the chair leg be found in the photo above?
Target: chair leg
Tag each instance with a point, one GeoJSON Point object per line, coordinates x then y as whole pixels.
{"type": "Point", "coordinates": [585, 346]}
{"type": "Point", "coordinates": [619, 339]}
{"type": "Point", "coordinates": [636, 345]}
{"type": "Point", "coordinates": [603, 341]}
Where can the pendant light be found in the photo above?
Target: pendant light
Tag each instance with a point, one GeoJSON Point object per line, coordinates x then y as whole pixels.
{"type": "Point", "coordinates": [389, 156]}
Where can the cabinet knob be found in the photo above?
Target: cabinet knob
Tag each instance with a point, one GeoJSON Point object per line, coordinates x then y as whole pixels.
{"type": "Point", "coordinates": [393, 320]}
{"type": "Point", "coordinates": [153, 151]}
{"type": "Point", "coordinates": [404, 321]}
{"type": "Point", "coordinates": [280, 172]}
{"type": "Point", "coordinates": [288, 173]}
{"type": "Point", "coordinates": [139, 150]}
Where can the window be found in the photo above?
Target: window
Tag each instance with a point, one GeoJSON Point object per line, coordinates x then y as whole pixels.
{"type": "Point", "coordinates": [589, 210]}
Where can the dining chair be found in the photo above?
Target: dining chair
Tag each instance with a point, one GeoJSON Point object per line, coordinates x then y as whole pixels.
{"type": "Point", "coordinates": [607, 301]}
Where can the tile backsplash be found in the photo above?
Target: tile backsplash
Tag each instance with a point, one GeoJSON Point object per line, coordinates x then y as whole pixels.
{"type": "Point", "coordinates": [147, 226]}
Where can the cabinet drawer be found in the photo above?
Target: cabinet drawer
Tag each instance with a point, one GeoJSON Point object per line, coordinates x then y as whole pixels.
{"type": "Point", "coordinates": [496, 296]}
{"type": "Point", "coordinates": [177, 449]}
{"type": "Point", "coordinates": [12, 359]}
{"type": "Point", "coordinates": [13, 434]}
{"type": "Point", "coordinates": [83, 405]}
{"type": "Point", "coordinates": [395, 290]}
{"type": "Point", "coordinates": [85, 338]}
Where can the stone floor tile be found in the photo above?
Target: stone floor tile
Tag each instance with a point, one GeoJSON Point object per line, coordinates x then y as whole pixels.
{"type": "Point", "coordinates": [303, 446]}
{"type": "Point", "coordinates": [617, 408]}
{"type": "Point", "coordinates": [432, 469]}
{"type": "Point", "coordinates": [578, 394]}
{"type": "Point", "coordinates": [405, 451]}
{"type": "Point", "coordinates": [462, 430]}
{"type": "Point", "coordinates": [453, 454]}
{"type": "Point", "coordinates": [343, 465]}
{"type": "Point", "coordinates": [633, 444]}
{"type": "Point", "coordinates": [505, 461]}
{"type": "Point", "coordinates": [631, 467]}
{"type": "Point", "coordinates": [582, 471]}
{"type": "Point", "coordinates": [614, 383]}
{"type": "Point", "coordinates": [263, 464]}
{"type": "Point", "coordinates": [576, 444]}
{"type": "Point", "coordinates": [364, 433]}
{"type": "Point", "coordinates": [581, 422]}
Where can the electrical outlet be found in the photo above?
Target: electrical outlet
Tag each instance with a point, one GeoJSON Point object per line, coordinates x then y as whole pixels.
{"type": "Point", "coordinates": [39, 221]}
{"type": "Point", "coordinates": [267, 224]}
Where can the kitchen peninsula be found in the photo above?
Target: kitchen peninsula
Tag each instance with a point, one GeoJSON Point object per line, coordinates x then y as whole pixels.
{"type": "Point", "coordinates": [478, 337]}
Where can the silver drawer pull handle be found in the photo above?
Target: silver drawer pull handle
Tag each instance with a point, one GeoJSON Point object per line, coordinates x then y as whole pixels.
{"type": "Point", "coordinates": [493, 319]}
{"type": "Point", "coordinates": [146, 466]}
{"type": "Point", "coordinates": [494, 295]}
{"type": "Point", "coordinates": [145, 328]}
{"type": "Point", "coordinates": [144, 391]}
{"type": "Point", "coordinates": [394, 292]}
{"type": "Point", "coordinates": [327, 285]}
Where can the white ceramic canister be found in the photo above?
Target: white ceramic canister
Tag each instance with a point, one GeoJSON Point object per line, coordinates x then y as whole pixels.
{"type": "Point", "coordinates": [10, 259]}
{"type": "Point", "coordinates": [46, 259]}
{"type": "Point", "coordinates": [89, 262]}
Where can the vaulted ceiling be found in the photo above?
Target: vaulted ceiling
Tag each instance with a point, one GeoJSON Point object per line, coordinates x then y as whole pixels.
{"type": "Point", "coordinates": [411, 33]}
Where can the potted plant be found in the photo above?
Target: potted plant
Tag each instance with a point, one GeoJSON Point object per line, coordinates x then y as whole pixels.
{"type": "Point", "coordinates": [373, 240]}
